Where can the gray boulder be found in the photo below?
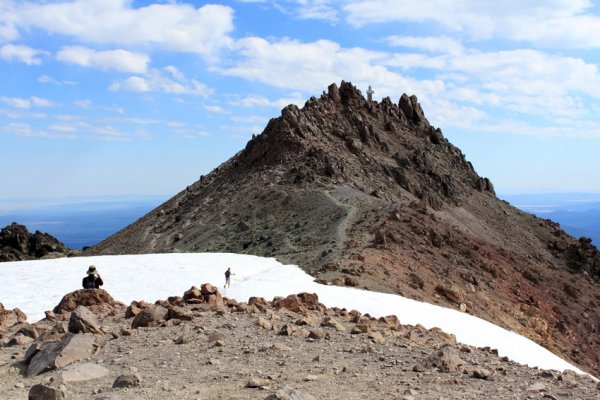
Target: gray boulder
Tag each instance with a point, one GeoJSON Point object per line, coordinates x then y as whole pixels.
{"type": "Point", "coordinates": [149, 315]}
{"type": "Point", "coordinates": [128, 380]}
{"type": "Point", "coordinates": [43, 392]}
{"type": "Point", "coordinates": [289, 393]}
{"type": "Point", "coordinates": [83, 372]}
{"type": "Point", "coordinates": [445, 360]}
{"type": "Point", "coordinates": [83, 320]}
{"type": "Point", "coordinates": [61, 353]}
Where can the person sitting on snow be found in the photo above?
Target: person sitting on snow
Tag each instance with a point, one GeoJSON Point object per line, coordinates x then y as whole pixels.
{"type": "Point", "coordinates": [93, 279]}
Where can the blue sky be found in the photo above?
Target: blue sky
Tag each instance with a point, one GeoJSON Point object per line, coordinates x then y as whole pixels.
{"type": "Point", "coordinates": [115, 97]}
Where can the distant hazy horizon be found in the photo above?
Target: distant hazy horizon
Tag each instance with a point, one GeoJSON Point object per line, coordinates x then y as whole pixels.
{"type": "Point", "coordinates": [78, 221]}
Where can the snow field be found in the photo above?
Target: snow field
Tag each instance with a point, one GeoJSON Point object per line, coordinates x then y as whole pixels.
{"type": "Point", "coordinates": [36, 286]}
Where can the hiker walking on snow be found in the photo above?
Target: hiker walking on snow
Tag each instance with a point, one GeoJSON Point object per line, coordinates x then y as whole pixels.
{"type": "Point", "coordinates": [93, 279]}
{"type": "Point", "coordinates": [228, 274]}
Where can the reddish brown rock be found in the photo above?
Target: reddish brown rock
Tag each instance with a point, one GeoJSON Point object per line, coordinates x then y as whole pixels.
{"type": "Point", "coordinates": [180, 313]}
{"type": "Point", "coordinates": [26, 329]}
{"type": "Point", "coordinates": [175, 300]}
{"type": "Point", "coordinates": [44, 392]}
{"type": "Point", "coordinates": [50, 316]}
{"type": "Point", "coordinates": [301, 302]}
{"type": "Point", "coordinates": [211, 294]}
{"type": "Point", "coordinates": [207, 289]}
{"type": "Point", "coordinates": [263, 323]}
{"type": "Point", "coordinates": [291, 303]}
{"type": "Point", "coordinates": [125, 381]}
{"type": "Point", "coordinates": [310, 299]}
{"type": "Point", "coordinates": [193, 295]}
{"type": "Point", "coordinates": [450, 292]}
{"type": "Point", "coordinates": [257, 300]}
{"type": "Point", "coordinates": [10, 318]}
{"type": "Point", "coordinates": [444, 335]}
{"type": "Point", "coordinates": [445, 360]}
{"type": "Point", "coordinates": [135, 308]}
{"type": "Point", "coordinates": [99, 301]}
{"type": "Point", "coordinates": [150, 315]}
{"type": "Point", "coordinates": [333, 323]}
{"type": "Point", "coordinates": [309, 319]}
{"type": "Point", "coordinates": [391, 321]}
{"type": "Point", "coordinates": [377, 337]}
{"type": "Point", "coordinates": [360, 328]}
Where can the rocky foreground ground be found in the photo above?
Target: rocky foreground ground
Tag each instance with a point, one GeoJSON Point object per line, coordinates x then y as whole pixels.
{"type": "Point", "coordinates": [204, 346]}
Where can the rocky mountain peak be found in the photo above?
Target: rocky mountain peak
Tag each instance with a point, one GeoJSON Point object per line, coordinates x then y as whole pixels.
{"type": "Point", "coordinates": [382, 148]}
{"type": "Point", "coordinates": [370, 194]}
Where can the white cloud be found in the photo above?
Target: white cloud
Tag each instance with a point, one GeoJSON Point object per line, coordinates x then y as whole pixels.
{"type": "Point", "coordinates": [168, 80]}
{"type": "Point", "coordinates": [450, 113]}
{"type": "Point", "coordinates": [8, 32]}
{"type": "Point", "coordinates": [310, 67]}
{"type": "Point", "coordinates": [131, 84]}
{"type": "Point", "coordinates": [324, 10]}
{"type": "Point", "coordinates": [552, 23]}
{"type": "Point", "coordinates": [515, 82]}
{"type": "Point", "coordinates": [317, 9]}
{"type": "Point", "coordinates": [261, 101]}
{"type": "Point", "coordinates": [215, 109]}
{"type": "Point", "coordinates": [251, 120]}
{"type": "Point", "coordinates": [16, 102]}
{"type": "Point", "coordinates": [517, 127]}
{"type": "Point", "coordinates": [434, 44]}
{"type": "Point", "coordinates": [523, 81]}
{"type": "Point", "coordinates": [62, 128]}
{"type": "Point", "coordinates": [84, 104]}
{"type": "Point", "coordinates": [39, 102]}
{"type": "Point", "coordinates": [48, 79]}
{"type": "Point", "coordinates": [20, 53]}
{"type": "Point", "coordinates": [118, 60]}
{"type": "Point", "coordinates": [22, 103]}
{"type": "Point", "coordinates": [175, 27]}
{"type": "Point", "coordinates": [26, 130]}
{"type": "Point", "coordinates": [75, 128]}
{"type": "Point", "coordinates": [20, 114]}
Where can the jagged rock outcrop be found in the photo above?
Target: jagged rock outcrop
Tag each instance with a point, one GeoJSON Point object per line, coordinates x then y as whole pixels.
{"type": "Point", "coordinates": [370, 194]}
{"type": "Point", "coordinates": [16, 244]}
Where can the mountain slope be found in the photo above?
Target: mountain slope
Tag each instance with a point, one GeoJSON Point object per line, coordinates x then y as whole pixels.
{"type": "Point", "coordinates": [369, 194]}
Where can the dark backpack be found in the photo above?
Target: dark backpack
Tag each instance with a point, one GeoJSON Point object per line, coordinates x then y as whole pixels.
{"type": "Point", "coordinates": [89, 282]}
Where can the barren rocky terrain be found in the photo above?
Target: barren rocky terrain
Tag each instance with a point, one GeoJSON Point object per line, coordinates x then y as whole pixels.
{"type": "Point", "coordinates": [369, 194]}
{"type": "Point", "coordinates": [203, 346]}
